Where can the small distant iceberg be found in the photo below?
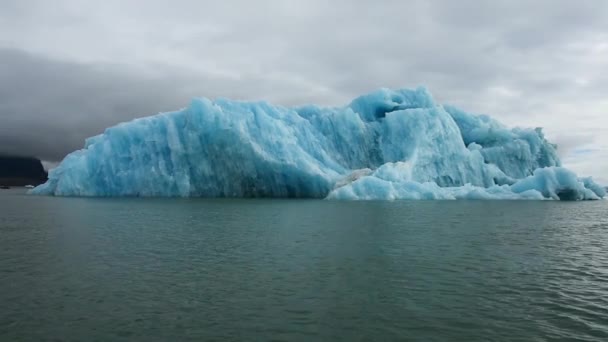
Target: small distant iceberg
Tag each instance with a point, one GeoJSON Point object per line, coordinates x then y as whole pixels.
{"type": "Point", "coordinates": [386, 145]}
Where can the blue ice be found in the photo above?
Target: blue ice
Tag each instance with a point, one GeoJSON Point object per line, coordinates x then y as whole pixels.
{"type": "Point", "coordinates": [389, 144]}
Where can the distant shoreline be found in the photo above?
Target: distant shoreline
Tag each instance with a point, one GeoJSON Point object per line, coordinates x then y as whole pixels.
{"type": "Point", "coordinates": [21, 171]}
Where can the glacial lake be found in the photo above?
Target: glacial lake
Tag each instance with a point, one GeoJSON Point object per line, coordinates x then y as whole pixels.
{"type": "Point", "coordinates": [78, 269]}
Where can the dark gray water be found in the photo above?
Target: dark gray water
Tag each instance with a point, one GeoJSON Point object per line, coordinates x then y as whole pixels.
{"type": "Point", "coordinates": [171, 269]}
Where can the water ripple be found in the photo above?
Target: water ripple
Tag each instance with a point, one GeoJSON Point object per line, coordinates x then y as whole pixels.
{"type": "Point", "coordinates": [123, 270]}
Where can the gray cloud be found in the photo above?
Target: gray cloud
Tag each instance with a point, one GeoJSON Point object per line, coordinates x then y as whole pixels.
{"type": "Point", "coordinates": [69, 69]}
{"type": "Point", "coordinates": [48, 107]}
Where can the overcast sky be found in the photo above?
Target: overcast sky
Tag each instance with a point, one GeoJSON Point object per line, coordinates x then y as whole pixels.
{"type": "Point", "coordinates": [70, 68]}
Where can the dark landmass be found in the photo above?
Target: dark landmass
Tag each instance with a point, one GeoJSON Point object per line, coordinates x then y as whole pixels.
{"type": "Point", "coordinates": [21, 171]}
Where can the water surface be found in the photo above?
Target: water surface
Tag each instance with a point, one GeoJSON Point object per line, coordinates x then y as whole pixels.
{"type": "Point", "coordinates": [301, 270]}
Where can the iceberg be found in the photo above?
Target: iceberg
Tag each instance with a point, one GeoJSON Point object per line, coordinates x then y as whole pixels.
{"type": "Point", "coordinates": [389, 144]}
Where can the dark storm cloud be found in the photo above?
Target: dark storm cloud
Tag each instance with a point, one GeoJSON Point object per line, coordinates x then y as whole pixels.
{"type": "Point", "coordinates": [70, 68]}
{"type": "Point", "coordinates": [48, 107]}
